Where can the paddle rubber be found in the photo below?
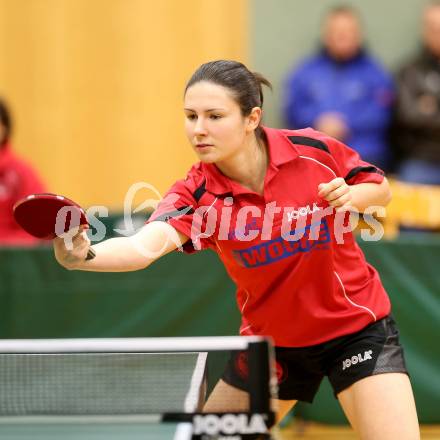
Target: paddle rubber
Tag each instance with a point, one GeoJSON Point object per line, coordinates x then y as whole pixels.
{"type": "Point", "coordinates": [47, 216]}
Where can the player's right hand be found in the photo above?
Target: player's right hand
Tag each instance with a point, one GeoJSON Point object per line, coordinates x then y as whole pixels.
{"type": "Point", "coordinates": [70, 250]}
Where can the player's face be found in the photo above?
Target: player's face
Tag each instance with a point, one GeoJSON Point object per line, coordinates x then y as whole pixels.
{"type": "Point", "coordinates": [214, 124]}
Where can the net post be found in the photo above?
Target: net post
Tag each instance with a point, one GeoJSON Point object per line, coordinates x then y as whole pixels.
{"type": "Point", "coordinates": [259, 376]}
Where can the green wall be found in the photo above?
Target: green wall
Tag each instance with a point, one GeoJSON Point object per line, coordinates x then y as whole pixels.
{"type": "Point", "coordinates": [284, 31]}
{"type": "Point", "coordinates": [182, 295]}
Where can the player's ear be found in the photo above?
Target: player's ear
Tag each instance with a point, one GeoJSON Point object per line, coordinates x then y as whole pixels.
{"type": "Point", "coordinates": [253, 119]}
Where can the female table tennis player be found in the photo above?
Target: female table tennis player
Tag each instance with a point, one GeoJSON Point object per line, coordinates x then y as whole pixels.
{"type": "Point", "coordinates": [315, 294]}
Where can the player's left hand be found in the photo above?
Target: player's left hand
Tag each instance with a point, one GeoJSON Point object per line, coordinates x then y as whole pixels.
{"type": "Point", "coordinates": [337, 194]}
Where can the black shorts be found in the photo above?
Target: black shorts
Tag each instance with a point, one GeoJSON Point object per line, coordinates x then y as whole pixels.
{"type": "Point", "coordinates": [345, 360]}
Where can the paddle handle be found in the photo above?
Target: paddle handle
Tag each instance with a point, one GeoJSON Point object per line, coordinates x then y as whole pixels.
{"type": "Point", "coordinates": [91, 254]}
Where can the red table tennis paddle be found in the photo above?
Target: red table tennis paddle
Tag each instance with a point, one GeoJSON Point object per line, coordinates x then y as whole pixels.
{"type": "Point", "coordinates": [47, 216]}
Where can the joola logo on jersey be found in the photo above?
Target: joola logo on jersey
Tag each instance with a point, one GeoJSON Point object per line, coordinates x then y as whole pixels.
{"type": "Point", "coordinates": [302, 212]}
{"type": "Point", "coordinates": [274, 250]}
{"type": "Point", "coordinates": [229, 424]}
{"type": "Point", "coordinates": [357, 359]}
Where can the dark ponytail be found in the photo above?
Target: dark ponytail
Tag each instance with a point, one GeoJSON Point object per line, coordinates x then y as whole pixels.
{"type": "Point", "coordinates": [261, 80]}
{"type": "Point", "coordinates": [245, 86]}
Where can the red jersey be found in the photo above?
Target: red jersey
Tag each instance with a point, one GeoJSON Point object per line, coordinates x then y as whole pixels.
{"type": "Point", "coordinates": [299, 279]}
{"type": "Point", "coordinates": [17, 180]}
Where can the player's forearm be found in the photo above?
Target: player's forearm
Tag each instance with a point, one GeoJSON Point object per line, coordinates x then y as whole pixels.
{"type": "Point", "coordinates": [115, 255]}
{"type": "Point", "coordinates": [364, 195]}
{"type": "Point", "coordinates": [122, 254]}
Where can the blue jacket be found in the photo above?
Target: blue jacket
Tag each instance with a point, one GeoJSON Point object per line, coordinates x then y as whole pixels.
{"type": "Point", "coordinates": [360, 89]}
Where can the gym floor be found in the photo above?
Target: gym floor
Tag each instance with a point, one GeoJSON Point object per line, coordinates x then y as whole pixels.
{"type": "Point", "coordinates": [315, 431]}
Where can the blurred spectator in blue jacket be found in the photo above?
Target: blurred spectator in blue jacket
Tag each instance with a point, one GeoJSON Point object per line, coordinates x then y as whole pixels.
{"type": "Point", "coordinates": [342, 90]}
{"type": "Point", "coordinates": [417, 127]}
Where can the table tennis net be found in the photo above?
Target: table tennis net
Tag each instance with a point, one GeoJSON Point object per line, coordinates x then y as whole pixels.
{"type": "Point", "coordinates": [109, 383]}
{"type": "Point", "coordinates": [97, 383]}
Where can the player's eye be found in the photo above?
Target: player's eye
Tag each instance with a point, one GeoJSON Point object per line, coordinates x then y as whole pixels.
{"type": "Point", "coordinates": [215, 116]}
{"type": "Point", "coordinates": [191, 117]}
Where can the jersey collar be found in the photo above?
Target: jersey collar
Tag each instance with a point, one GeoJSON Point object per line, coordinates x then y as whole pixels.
{"type": "Point", "coordinates": [281, 151]}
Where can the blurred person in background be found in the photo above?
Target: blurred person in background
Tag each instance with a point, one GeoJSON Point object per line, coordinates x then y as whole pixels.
{"type": "Point", "coordinates": [342, 90]}
{"type": "Point", "coordinates": [416, 132]}
{"type": "Point", "coordinates": [17, 180]}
